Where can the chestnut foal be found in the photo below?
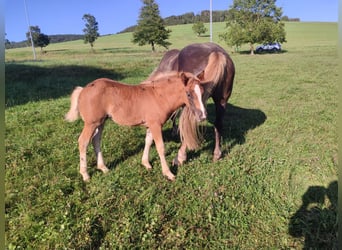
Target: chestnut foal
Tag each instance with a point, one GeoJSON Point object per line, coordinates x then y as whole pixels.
{"type": "Point", "coordinates": [148, 104]}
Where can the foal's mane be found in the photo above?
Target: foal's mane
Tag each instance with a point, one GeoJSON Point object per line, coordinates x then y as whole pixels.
{"type": "Point", "coordinates": [161, 77]}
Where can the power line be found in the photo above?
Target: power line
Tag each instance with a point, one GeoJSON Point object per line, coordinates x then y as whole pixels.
{"type": "Point", "coordinates": [211, 20]}
{"type": "Point", "coordinates": [29, 26]}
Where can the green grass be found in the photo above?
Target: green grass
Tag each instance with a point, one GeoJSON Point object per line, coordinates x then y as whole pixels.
{"type": "Point", "coordinates": [275, 188]}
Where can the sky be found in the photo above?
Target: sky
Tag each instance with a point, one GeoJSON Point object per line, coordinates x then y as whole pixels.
{"type": "Point", "coordinates": [65, 16]}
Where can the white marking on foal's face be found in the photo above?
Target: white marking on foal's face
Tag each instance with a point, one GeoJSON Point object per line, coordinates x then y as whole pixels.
{"type": "Point", "coordinates": [199, 98]}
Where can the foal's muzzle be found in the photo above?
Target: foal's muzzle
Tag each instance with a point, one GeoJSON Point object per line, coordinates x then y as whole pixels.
{"type": "Point", "coordinates": [200, 116]}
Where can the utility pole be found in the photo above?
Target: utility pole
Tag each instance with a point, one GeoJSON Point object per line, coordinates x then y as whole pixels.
{"type": "Point", "coordinates": [29, 26]}
{"type": "Point", "coordinates": [211, 21]}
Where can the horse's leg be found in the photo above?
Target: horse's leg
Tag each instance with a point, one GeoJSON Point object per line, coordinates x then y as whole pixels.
{"type": "Point", "coordinates": [174, 123]}
{"type": "Point", "coordinates": [220, 107]}
{"type": "Point", "coordinates": [97, 147]}
{"type": "Point", "coordinates": [83, 142]}
{"type": "Point", "coordinates": [181, 156]}
{"type": "Point", "coordinates": [148, 142]}
{"type": "Point", "coordinates": [158, 140]}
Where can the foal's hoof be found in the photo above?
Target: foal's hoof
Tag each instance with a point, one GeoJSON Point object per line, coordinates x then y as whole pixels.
{"type": "Point", "coordinates": [104, 169]}
{"type": "Point", "coordinates": [170, 176]}
{"type": "Point", "coordinates": [86, 178]}
{"type": "Point", "coordinates": [217, 156]}
{"type": "Point", "coordinates": [147, 166]}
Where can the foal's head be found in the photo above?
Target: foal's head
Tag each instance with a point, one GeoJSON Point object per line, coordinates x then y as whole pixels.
{"type": "Point", "coordinates": [194, 91]}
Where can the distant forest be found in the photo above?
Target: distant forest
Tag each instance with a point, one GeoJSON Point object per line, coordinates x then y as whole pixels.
{"type": "Point", "coordinates": [190, 17]}
{"type": "Point", "coordinates": [53, 39]}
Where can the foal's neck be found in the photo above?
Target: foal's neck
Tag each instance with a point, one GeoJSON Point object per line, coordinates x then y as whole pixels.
{"type": "Point", "coordinates": [171, 93]}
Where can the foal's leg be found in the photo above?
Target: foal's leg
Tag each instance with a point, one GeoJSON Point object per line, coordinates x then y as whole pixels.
{"type": "Point", "coordinates": [158, 139]}
{"type": "Point", "coordinates": [97, 147]}
{"type": "Point", "coordinates": [148, 142]}
{"type": "Point", "coordinates": [83, 142]}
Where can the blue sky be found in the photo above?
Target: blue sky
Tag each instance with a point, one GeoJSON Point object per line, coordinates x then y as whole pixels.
{"type": "Point", "coordinates": [65, 16]}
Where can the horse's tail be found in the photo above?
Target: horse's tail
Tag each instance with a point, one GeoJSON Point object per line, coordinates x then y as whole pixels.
{"type": "Point", "coordinates": [73, 113]}
{"type": "Point", "coordinates": [214, 74]}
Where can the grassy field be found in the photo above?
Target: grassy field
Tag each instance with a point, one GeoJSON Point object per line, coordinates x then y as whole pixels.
{"type": "Point", "coordinates": [275, 188]}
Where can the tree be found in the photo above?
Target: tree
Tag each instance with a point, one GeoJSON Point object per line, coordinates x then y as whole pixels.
{"type": "Point", "coordinates": [7, 44]}
{"type": "Point", "coordinates": [151, 29]}
{"type": "Point", "coordinates": [42, 41]}
{"type": "Point", "coordinates": [199, 28]}
{"type": "Point", "coordinates": [90, 30]}
{"type": "Point", "coordinates": [254, 21]}
{"type": "Point", "coordinates": [39, 39]}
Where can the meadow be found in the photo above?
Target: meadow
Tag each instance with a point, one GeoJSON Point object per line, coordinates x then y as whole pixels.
{"type": "Point", "coordinates": [274, 188]}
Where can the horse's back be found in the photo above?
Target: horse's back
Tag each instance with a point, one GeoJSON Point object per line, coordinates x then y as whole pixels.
{"type": "Point", "coordinates": [168, 63]}
{"type": "Point", "coordinates": [194, 57]}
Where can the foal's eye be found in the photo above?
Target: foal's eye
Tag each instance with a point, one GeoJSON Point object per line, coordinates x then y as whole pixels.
{"type": "Point", "coordinates": [188, 94]}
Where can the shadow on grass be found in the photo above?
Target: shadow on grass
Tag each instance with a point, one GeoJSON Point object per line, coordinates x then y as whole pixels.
{"type": "Point", "coordinates": [237, 122]}
{"type": "Point", "coordinates": [125, 50]}
{"type": "Point", "coordinates": [27, 83]}
{"type": "Point", "coordinates": [314, 221]}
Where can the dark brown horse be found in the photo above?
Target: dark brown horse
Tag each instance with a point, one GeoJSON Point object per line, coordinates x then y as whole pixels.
{"type": "Point", "coordinates": [149, 104]}
{"type": "Point", "coordinates": [219, 72]}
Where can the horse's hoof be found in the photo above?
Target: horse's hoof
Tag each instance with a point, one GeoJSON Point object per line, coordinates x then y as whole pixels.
{"type": "Point", "coordinates": [174, 162]}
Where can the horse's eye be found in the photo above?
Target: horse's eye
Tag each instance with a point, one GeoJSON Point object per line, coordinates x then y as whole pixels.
{"type": "Point", "coordinates": [188, 94]}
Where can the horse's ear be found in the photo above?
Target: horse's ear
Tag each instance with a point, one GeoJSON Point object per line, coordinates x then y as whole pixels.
{"type": "Point", "coordinates": [184, 78]}
{"type": "Point", "coordinates": [200, 76]}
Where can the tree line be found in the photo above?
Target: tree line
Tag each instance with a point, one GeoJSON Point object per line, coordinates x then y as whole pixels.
{"type": "Point", "coordinates": [188, 18]}
{"type": "Point", "coordinates": [53, 39]}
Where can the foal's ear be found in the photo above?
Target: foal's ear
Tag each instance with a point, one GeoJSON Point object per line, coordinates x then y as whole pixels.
{"type": "Point", "coordinates": [200, 76]}
{"type": "Point", "coordinates": [184, 78]}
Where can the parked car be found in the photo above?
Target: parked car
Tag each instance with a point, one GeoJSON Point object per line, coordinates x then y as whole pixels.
{"type": "Point", "coordinates": [269, 47]}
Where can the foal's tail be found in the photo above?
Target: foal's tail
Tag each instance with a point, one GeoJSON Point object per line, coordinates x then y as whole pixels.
{"type": "Point", "coordinates": [73, 113]}
{"type": "Point", "coordinates": [214, 74]}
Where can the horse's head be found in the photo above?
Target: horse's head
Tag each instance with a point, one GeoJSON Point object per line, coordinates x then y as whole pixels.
{"type": "Point", "coordinates": [194, 91]}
